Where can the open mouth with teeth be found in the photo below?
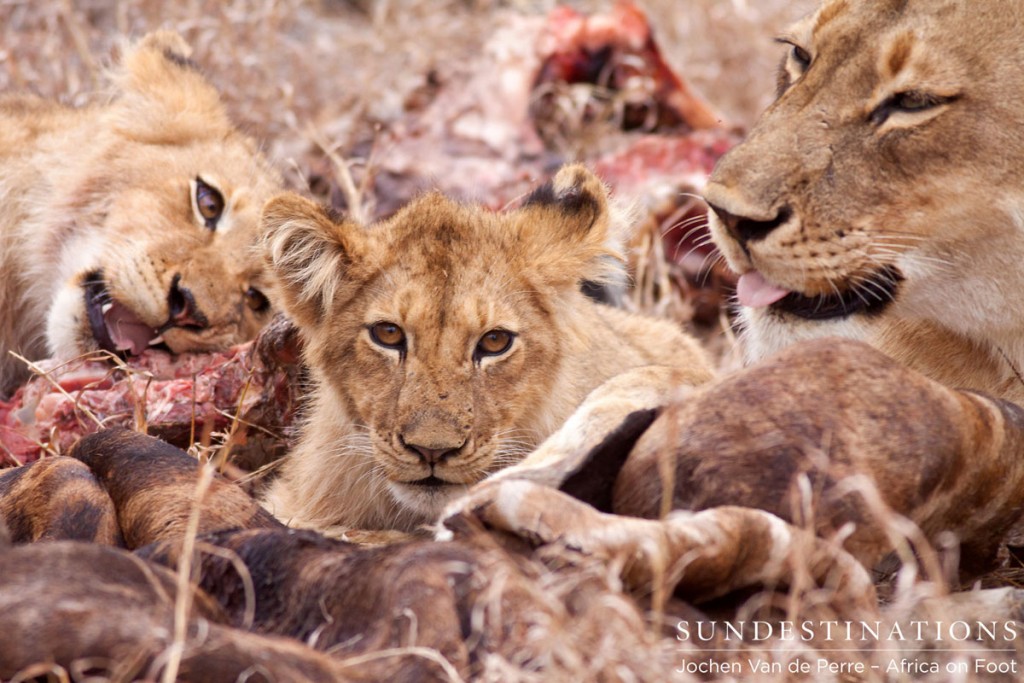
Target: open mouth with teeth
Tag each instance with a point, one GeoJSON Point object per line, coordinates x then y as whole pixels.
{"type": "Point", "coordinates": [870, 296]}
{"type": "Point", "coordinates": [115, 327]}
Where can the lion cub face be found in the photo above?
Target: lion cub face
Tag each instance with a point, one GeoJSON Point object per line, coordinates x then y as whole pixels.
{"type": "Point", "coordinates": [883, 181]}
{"type": "Point", "coordinates": [436, 333]}
{"type": "Point", "coordinates": [165, 205]}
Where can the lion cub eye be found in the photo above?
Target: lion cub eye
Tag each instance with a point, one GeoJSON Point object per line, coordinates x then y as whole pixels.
{"type": "Point", "coordinates": [388, 335]}
{"type": "Point", "coordinates": [209, 203]}
{"type": "Point", "coordinates": [256, 300]}
{"type": "Point", "coordinates": [913, 101]}
{"type": "Point", "coordinates": [494, 343]}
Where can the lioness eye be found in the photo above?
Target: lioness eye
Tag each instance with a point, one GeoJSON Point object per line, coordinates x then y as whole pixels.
{"type": "Point", "coordinates": [256, 300]}
{"type": "Point", "coordinates": [209, 203]}
{"type": "Point", "coordinates": [494, 343]}
{"type": "Point", "coordinates": [913, 101]}
{"type": "Point", "coordinates": [910, 101]}
{"type": "Point", "coordinates": [792, 67]}
{"type": "Point", "coordinates": [388, 335]}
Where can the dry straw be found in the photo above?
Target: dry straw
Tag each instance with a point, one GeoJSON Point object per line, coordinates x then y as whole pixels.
{"type": "Point", "coordinates": [317, 81]}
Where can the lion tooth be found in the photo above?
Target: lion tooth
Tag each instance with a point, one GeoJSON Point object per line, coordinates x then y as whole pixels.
{"type": "Point", "coordinates": [159, 339]}
{"type": "Point", "coordinates": [105, 308]}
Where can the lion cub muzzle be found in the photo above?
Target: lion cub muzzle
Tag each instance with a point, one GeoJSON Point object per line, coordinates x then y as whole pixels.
{"type": "Point", "coordinates": [431, 456]}
{"type": "Point", "coordinates": [435, 436]}
{"type": "Point", "coordinates": [190, 317]}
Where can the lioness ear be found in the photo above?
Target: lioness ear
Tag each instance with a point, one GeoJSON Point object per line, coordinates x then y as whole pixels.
{"type": "Point", "coordinates": [162, 95]}
{"type": "Point", "coordinates": [566, 225]}
{"type": "Point", "coordinates": [317, 260]}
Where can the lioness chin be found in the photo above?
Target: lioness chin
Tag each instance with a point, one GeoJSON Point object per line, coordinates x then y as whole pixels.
{"type": "Point", "coordinates": [129, 224]}
{"type": "Point", "coordinates": [445, 343]}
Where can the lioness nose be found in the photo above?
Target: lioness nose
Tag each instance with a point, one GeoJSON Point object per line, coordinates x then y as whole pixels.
{"type": "Point", "coordinates": [747, 229]}
{"type": "Point", "coordinates": [431, 456]}
{"type": "Point", "coordinates": [182, 307]}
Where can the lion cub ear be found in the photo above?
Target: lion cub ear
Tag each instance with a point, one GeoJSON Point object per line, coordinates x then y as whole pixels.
{"type": "Point", "coordinates": [161, 92]}
{"type": "Point", "coordinates": [569, 230]}
{"type": "Point", "coordinates": [319, 261]}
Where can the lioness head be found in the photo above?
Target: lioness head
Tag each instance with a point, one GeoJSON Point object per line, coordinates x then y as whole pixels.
{"type": "Point", "coordinates": [156, 230]}
{"type": "Point", "coordinates": [884, 181]}
{"type": "Point", "coordinates": [437, 337]}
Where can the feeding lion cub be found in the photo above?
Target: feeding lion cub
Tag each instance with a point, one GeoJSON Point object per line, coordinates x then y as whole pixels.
{"type": "Point", "coordinates": [129, 224]}
{"type": "Point", "coordinates": [446, 343]}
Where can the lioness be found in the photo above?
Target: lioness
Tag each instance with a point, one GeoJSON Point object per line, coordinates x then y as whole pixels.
{"type": "Point", "coordinates": [880, 197]}
{"type": "Point", "coordinates": [445, 343]}
{"type": "Point", "coordinates": [129, 224]}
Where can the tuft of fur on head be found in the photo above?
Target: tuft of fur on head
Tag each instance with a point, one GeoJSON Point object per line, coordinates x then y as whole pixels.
{"type": "Point", "coordinates": [309, 248]}
{"type": "Point", "coordinates": [156, 77]}
{"type": "Point", "coordinates": [574, 208]}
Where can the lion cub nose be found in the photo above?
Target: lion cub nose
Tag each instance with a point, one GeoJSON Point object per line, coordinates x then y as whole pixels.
{"type": "Point", "coordinates": [432, 456]}
{"type": "Point", "coordinates": [182, 307]}
{"type": "Point", "coordinates": [745, 229]}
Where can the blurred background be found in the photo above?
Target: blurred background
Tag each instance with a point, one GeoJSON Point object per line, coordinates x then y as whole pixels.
{"type": "Point", "coordinates": [363, 103]}
{"type": "Point", "coordinates": [337, 64]}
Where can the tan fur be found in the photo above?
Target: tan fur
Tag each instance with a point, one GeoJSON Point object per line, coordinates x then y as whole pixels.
{"type": "Point", "coordinates": [110, 188]}
{"type": "Point", "coordinates": [934, 193]}
{"type": "Point", "coordinates": [447, 274]}
{"type": "Point", "coordinates": [153, 486]}
{"type": "Point", "coordinates": [56, 498]}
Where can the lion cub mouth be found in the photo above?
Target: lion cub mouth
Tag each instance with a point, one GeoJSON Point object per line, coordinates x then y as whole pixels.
{"type": "Point", "coordinates": [868, 295]}
{"type": "Point", "coordinates": [115, 327]}
{"type": "Point", "coordinates": [426, 497]}
{"type": "Point", "coordinates": [429, 482]}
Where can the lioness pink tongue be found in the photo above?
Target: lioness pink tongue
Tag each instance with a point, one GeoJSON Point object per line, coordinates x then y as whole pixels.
{"type": "Point", "coordinates": [126, 330]}
{"type": "Point", "coordinates": [754, 291]}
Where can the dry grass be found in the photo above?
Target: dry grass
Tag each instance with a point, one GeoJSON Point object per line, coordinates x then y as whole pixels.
{"type": "Point", "coordinates": [319, 80]}
{"type": "Point", "coordinates": [346, 67]}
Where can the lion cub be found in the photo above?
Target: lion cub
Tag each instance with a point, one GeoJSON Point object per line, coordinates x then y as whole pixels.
{"type": "Point", "coordinates": [129, 223]}
{"type": "Point", "coordinates": [445, 343]}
